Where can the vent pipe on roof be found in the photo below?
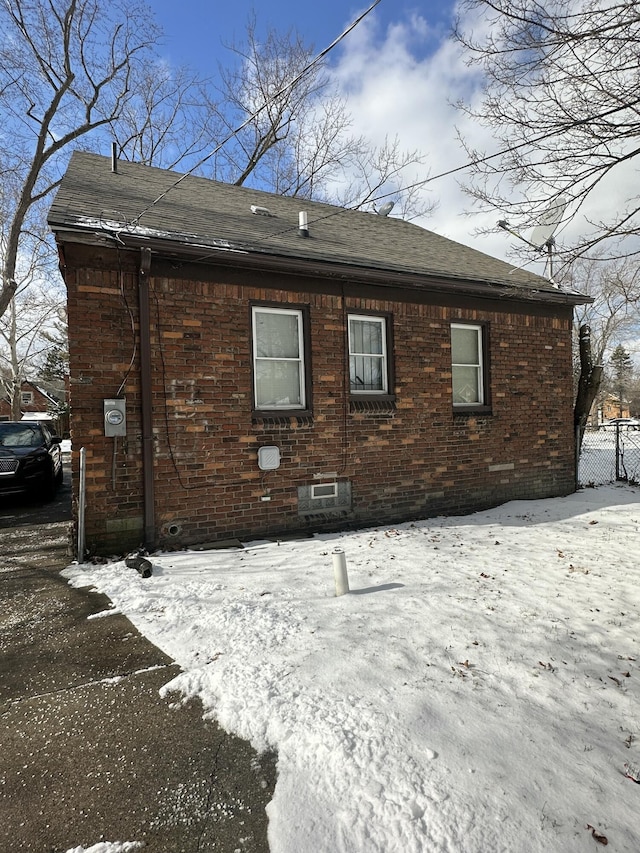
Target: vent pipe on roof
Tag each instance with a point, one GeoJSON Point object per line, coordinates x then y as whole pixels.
{"type": "Point", "coordinates": [114, 157]}
{"type": "Point", "coordinates": [303, 224]}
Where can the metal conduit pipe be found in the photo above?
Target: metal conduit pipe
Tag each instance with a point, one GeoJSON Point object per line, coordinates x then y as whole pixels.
{"type": "Point", "coordinates": [146, 400]}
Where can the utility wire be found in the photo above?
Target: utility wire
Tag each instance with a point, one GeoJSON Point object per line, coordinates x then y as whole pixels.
{"type": "Point", "coordinates": [264, 106]}
{"type": "Point", "coordinates": [455, 169]}
{"type": "Point", "coordinates": [468, 165]}
{"type": "Point", "coordinates": [448, 172]}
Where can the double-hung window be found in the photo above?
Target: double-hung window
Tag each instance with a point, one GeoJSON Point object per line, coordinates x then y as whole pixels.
{"type": "Point", "coordinates": [368, 358]}
{"type": "Point", "coordinates": [468, 365]}
{"type": "Point", "coordinates": [278, 358]}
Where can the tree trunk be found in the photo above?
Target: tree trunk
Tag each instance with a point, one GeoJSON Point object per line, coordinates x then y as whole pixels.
{"type": "Point", "coordinates": [588, 384]}
{"type": "Point", "coordinates": [16, 401]}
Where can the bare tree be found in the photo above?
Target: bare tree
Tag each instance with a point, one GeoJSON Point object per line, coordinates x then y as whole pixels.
{"type": "Point", "coordinates": [67, 69]}
{"type": "Point", "coordinates": [166, 121]}
{"type": "Point", "coordinates": [562, 93]}
{"type": "Point", "coordinates": [615, 289]}
{"type": "Point", "coordinates": [76, 72]}
{"type": "Point", "coordinates": [25, 337]}
{"type": "Point", "coordinates": [598, 326]}
{"type": "Point", "coordinates": [297, 139]}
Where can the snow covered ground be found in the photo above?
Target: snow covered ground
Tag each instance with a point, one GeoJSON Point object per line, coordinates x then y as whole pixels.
{"type": "Point", "coordinates": [478, 689]}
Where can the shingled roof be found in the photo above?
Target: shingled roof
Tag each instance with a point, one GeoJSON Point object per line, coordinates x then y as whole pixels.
{"type": "Point", "coordinates": [185, 213]}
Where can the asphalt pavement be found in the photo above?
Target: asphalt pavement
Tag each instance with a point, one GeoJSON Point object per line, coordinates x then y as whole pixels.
{"type": "Point", "coordinates": [89, 752]}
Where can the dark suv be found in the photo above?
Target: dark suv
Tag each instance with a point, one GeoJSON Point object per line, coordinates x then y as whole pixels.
{"type": "Point", "coordinates": [30, 459]}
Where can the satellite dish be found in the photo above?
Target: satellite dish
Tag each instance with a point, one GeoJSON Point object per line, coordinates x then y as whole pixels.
{"type": "Point", "coordinates": [552, 217]}
{"type": "Point", "coordinates": [386, 208]}
{"type": "Point", "coordinates": [542, 236]}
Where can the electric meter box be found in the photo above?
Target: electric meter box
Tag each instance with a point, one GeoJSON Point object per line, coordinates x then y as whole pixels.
{"type": "Point", "coordinates": [115, 417]}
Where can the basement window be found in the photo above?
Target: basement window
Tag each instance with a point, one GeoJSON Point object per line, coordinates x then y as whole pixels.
{"type": "Point", "coordinates": [326, 500]}
{"type": "Point", "coordinates": [324, 490]}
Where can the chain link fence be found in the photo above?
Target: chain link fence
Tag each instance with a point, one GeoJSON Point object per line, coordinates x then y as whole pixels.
{"type": "Point", "coordinates": [609, 454]}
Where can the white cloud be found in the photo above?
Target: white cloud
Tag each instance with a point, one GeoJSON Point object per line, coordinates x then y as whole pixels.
{"type": "Point", "coordinates": [406, 82]}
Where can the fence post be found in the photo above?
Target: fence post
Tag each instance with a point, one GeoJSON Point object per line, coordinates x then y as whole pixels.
{"type": "Point", "coordinates": [618, 477]}
{"type": "Point", "coordinates": [577, 455]}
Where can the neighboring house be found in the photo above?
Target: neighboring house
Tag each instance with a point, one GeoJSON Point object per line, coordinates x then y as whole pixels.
{"type": "Point", "coordinates": [613, 408]}
{"type": "Point", "coordinates": [246, 365]}
{"type": "Point", "coordinates": [607, 407]}
{"type": "Point", "coordinates": [33, 401]}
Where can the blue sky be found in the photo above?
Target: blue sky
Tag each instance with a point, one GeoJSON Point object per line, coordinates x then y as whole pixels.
{"type": "Point", "coordinates": [196, 29]}
{"type": "Point", "coordinates": [400, 72]}
{"type": "Point", "coordinates": [398, 69]}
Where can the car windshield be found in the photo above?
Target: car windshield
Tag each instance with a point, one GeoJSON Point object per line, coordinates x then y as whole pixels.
{"type": "Point", "coordinates": [20, 435]}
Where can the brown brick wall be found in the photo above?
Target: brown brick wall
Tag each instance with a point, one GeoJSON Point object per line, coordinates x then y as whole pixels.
{"type": "Point", "coordinates": [420, 459]}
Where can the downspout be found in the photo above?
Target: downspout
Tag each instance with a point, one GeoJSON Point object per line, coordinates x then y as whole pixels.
{"type": "Point", "coordinates": [146, 400]}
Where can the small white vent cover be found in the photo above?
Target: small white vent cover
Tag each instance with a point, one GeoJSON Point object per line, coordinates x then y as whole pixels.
{"type": "Point", "coordinates": [268, 458]}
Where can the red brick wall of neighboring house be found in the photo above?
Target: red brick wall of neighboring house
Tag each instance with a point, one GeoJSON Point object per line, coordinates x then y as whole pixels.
{"type": "Point", "coordinates": [39, 402]}
{"type": "Point", "coordinates": [418, 460]}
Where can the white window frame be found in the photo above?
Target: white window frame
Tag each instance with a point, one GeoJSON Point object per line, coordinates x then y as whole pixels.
{"type": "Point", "coordinates": [324, 491]}
{"type": "Point", "coordinates": [383, 357]}
{"type": "Point", "coordinates": [26, 398]}
{"type": "Point", "coordinates": [479, 365]}
{"type": "Point", "coordinates": [300, 360]}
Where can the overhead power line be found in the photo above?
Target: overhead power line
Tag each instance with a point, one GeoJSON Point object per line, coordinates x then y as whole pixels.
{"type": "Point", "coordinates": [315, 61]}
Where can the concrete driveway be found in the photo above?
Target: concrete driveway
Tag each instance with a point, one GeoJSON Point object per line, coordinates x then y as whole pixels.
{"type": "Point", "coordinates": [90, 752]}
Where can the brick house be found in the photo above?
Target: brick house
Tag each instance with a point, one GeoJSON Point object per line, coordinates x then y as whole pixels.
{"type": "Point", "coordinates": [33, 401]}
{"type": "Point", "coordinates": [279, 365]}
{"type": "Point", "coordinates": [613, 408]}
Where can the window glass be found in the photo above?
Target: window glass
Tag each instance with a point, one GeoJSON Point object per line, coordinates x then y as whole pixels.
{"type": "Point", "coordinates": [20, 435]}
{"type": "Point", "coordinates": [465, 345]}
{"type": "Point", "coordinates": [277, 385]}
{"type": "Point", "coordinates": [466, 365]}
{"type": "Point", "coordinates": [278, 359]}
{"type": "Point", "coordinates": [276, 335]}
{"type": "Point", "coordinates": [367, 355]}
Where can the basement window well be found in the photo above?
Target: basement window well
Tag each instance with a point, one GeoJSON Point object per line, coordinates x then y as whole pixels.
{"type": "Point", "coordinates": [328, 499]}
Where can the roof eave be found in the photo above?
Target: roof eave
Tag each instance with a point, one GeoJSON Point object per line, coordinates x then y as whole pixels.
{"type": "Point", "coordinates": [242, 256]}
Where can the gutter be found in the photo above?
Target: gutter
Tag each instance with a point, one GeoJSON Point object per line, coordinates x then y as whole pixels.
{"type": "Point", "coordinates": [146, 400]}
{"type": "Point", "coordinates": [242, 257]}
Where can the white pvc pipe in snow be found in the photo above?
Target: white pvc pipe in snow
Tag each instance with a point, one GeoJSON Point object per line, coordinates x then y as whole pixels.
{"type": "Point", "coordinates": [340, 572]}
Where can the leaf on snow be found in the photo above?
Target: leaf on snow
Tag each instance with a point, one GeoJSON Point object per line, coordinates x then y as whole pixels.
{"type": "Point", "coordinates": [599, 837]}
